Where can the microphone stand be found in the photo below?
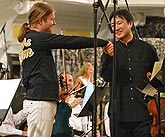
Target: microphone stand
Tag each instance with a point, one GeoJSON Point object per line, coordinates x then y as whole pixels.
{"type": "Point", "coordinates": [114, 93]}
{"type": "Point", "coordinates": [3, 28]}
{"type": "Point", "coordinates": [113, 98]}
{"type": "Point", "coordinates": [94, 116]}
{"type": "Point", "coordinates": [104, 14]}
{"type": "Point", "coordinates": [136, 34]}
{"type": "Point", "coordinates": [114, 119]}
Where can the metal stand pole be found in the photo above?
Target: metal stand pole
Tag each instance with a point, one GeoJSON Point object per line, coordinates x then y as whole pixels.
{"type": "Point", "coordinates": [94, 117]}
{"type": "Point", "coordinates": [114, 93]}
{"type": "Point", "coordinates": [114, 119]}
{"type": "Point", "coordinates": [4, 34]}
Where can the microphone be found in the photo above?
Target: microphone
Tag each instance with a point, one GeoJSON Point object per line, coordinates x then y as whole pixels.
{"type": "Point", "coordinates": [3, 28]}
{"type": "Point", "coordinates": [101, 19]}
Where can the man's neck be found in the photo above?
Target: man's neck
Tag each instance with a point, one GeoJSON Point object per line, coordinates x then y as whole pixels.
{"type": "Point", "coordinates": [127, 39]}
{"type": "Point", "coordinates": [36, 27]}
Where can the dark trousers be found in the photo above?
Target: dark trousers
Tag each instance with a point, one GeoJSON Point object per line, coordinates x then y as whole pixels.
{"type": "Point", "coordinates": [60, 135]}
{"type": "Point", "coordinates": [13, 136]}
{"type": "Point", "coordinates": [78, 133]}
{"type": "Point", "coordinates": [135, 129]}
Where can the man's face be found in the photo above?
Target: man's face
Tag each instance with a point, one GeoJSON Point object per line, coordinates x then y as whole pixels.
{"type": "Point", "coordinates": [69, 79]}
{"type": "Point", "coordinates": [49, 23]}
{"type": "Point", "coordinates": [123, 28]}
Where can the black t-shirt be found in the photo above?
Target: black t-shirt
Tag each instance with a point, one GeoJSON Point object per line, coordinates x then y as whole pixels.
{"type": "Point", "coordinates": [39, 70]}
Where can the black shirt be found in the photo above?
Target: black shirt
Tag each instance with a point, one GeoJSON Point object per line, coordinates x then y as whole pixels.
{"type": "Point", "coordinates": [134, 60]}
{"type": "Point", "coordinates": [39, 70]}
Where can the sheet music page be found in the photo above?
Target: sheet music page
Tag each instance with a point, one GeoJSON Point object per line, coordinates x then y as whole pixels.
{"type": "Point", "coordinates": [156, 69]}
{"type": "Point", "coordinates": [89, 90]}
{"type": "Point", "coordinates": [8, 89]}
{"type": "Point", "coordinates": [149, 90]}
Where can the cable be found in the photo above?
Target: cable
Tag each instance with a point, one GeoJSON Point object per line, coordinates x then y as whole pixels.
{"type": "Point", "coordinates": [135, 32]}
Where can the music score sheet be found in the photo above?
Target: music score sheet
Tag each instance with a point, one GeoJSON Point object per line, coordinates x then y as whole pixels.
{"type": "Point", "coordinates": [156, 68]}
{"type": "Point", "coordinates": [149, 89]}
{"type": "Point", "coordinates": [8, 89]}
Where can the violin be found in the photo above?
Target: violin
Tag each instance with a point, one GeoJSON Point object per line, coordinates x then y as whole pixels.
{"type": "Point", "coordinates": [64, 92]}
{"type": "Point", "coordinates": [79, 92]}
{"type": "Point", "coordinates": [153, 109]}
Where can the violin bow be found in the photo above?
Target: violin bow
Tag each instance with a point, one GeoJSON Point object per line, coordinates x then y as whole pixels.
{"type": "Point", "coordinates": [74, 91]}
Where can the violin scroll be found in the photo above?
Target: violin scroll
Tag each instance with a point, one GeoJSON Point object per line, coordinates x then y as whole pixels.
{"type": "Point", "coordinates": [63, 94]}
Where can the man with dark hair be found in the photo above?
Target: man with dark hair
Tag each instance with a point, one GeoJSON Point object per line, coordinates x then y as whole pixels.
{"type": "Point", "coordinates": [134, 61]}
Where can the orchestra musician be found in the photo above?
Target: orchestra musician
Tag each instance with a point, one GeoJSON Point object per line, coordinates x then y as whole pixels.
{"type": "Point", "coordinates": [61, 127]}
{"type": "Point", "coordinates": [157, 103]}
{"type": "Point", "coordinates": [9, 125]}
{"type": "Point", "coordinates": [80, 125]}
{"type": "Point", "coordinates": [83, 76]}
{"type": "Point", "coordinates": [11, 121]}
{"type": "Point", "coordinates": [135, 58]}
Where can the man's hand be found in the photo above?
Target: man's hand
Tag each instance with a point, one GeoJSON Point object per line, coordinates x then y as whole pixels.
{"type": "Point", "coordinates": [76, 136]}
{"type": "Point", "coordinates": [76, 102]}
{"type": "Point", "coordinates": [24, 133]}
{"type": "Point", "coordinates": [149, 75]}
{"type": "Point", "coordinates": [109, 49]}
{"type": "Point", "coordinates": [97, 134]}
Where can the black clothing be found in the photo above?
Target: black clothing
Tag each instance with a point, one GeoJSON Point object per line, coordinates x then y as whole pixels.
{"type": "Point", "coordinates": [78, 133]}
{"type": "Point", "coordinates": [133, 61]}
{"type": "Point", "coordinates": [60, 135]}
{"type": "Point", "coordinates": [39, 70]}
{"type": "Point", "coordinates": [61, 125]}
{"type": "Point", "coordinates": [14, 136]}
{"type": "Point", "coordinates": [135, 129]}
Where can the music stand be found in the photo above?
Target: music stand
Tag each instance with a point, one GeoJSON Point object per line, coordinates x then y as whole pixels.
{"type": "Point", "coordinates": [17, 102]}
{"type": "Point", "coordinates": [87, 108]}
{"type": "Point", "coordinates": [8, 91]}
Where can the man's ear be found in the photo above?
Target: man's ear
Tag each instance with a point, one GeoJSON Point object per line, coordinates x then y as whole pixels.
{"type": "Point", "coordinates": [40, 21]}
{"type": "Point", "coordinates": [131, 24]}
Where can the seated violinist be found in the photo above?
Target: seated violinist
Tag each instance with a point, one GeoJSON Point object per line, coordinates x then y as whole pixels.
{"type": "Point", "coordinates": [61, 126]}
{"type": "Point", "coordinates": [80, 125]}
{"type": "Point", "coordinates": [9, 126]}
{"type": "Point", "coordinates": [156, 109]}
{"type": "Point", "coordinates": [153, 105]}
